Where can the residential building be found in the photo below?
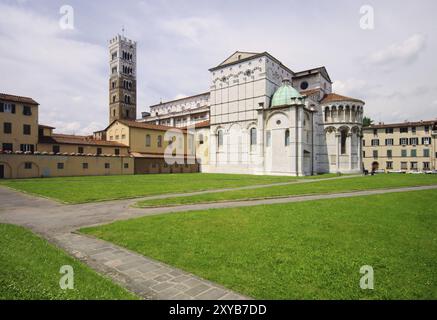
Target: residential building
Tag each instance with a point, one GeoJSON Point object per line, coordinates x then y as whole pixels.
{"type": "Point", "coordinates": [400, 147]}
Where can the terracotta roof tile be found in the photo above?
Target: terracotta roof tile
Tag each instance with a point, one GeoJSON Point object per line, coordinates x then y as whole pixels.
{"type": "Point", "coordinates": [79, 140]}
{"type": "Point", "coordinates": [402, 125]}
{"type": "Point", "coordinates": [333, 97]}
{"type": "Point", "coordinates": [143, 125]}
{"type": "Point", "coordinates": [19, 99]}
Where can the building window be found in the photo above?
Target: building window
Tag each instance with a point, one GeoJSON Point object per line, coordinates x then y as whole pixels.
{"type": "Point", "coordinates": [413, 129]}
{"type": "Point", "coordinates": [413, 153]}
{"type": "Point", "coordinates": [126, 165]}
{"type": "Point", "coordinates": [148, 140]}
{"type": "Point", "coordinates": [389, 142]}
{"type": "Point", "coordinates": [375, 142]}
{"type": "Point", "coordinates": [28, 165]}
{"type": "Point", "coordinates": [200, 138]}
{"type": "Point", "coordinates": [26, 129]}
{"type": "Point", "coordinates": [107, 165]}
{"type": "Point", "coordinates": [27, 147]}
{"type": "Point", "coordinates": [364, 143]}
{"type": "Point", "coordinates": [117, 152]}
{"type": "Point", "coordinates": [389, 165]}
{"type": "Point", "coordinates": [7, 147]}
{"type": "Point", "coordinates": [404, 130]}
{"type": "Point", "coordinates": [7, 107]}
{"type": "Point", "coordinates": [85, 165]}
{"type": "Point", "coordinates": [404, 165]}
{"type": "Point", "coordinates": [389, 130]}
{"type": "Point", "coordinates": [375, 154]}
{"type": "Point", "coordinates": [389, 153]}
{"type": "Point", "coordinates": [253, 136]}
{"type": "Point", "coordinates": [414, 141]}
{"type": "Point", "coordinates": [403, 153]}
{"type": "Point", "coordinates": [220, 138]}
{"type": "Point", "coordinates": [27, 111]}
{"type": "Point", "coordinates": [375, 132]}
{"type": "Point", "coordinates": [80, 150]}
{"type": "Point", "coordinates": [99, 151]}
{"type": "Point", "coordinates": [427, 129]}
{"type": "Point", "coordinates": [426, 141]}
{"type": "Point", "coordinates": [287, 137]}
{"type": "Point", "coordinates": [364, 154]}
{"type": "Point", "coordinates": [426, 153]}
{"type": "Point", "coordinates": [403, 141]}
{"type": "Point", "coordinates": [60, 165]}
{"type": "Point", "coordinates": [268, 138]}
{"type": "Point", "coordinates": [7, 127]}
{"type": "Point", "coordinates": [414, 166]}
{"type": "Point", "coordinates": [56, 149]}
{"type": "Point", "coordinates": [426, 166]}
{"type": "Point", "coordinates": [159, 143]}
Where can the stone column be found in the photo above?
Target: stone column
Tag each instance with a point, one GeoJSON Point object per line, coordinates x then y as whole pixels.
{"type": "Point", "coordinates": [337, 141]}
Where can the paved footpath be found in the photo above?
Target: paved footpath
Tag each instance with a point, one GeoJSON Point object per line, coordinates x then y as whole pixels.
{"type": "Point", "coordinates": [146, 277]}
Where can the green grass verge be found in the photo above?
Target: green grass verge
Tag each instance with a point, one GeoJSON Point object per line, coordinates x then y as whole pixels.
{"type": "Point", "coordinates": [317, 187]}
{"type": "Point", "coordinates": [307, 250]}
{"type": "Point", "coordinates": [29, 269]}
{"type": "Point", "coordinates": [98, 188]}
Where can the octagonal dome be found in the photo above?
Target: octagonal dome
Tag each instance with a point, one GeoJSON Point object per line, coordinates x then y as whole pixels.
{"type": "Point", "coordinates": [286, 95]}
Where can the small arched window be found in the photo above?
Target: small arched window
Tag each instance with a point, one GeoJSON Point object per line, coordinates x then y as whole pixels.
{"type": "Point", "coordinates": [159, 141]}
{"type": "Point", "coordinates": [200, 138]}
{"type": "Point", "coordinates": [148, 140]}
{"type": "Point", "coordinates": [287, 137]}
{"type": "Point", "coordinates": [343, 141]}
{"type": "Point", "coordinates": [253, 136]}
{"type": "Point", "coordinates": [220, 138]}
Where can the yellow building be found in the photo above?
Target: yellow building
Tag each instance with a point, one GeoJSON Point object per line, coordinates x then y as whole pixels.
{"type": "Point", "coordinates": [31, 150]}
{"type": "Point", "coordinates": [401, 147]}
{"type": "Point", "coordinates": [155, 148]}
{"type": "Point", "coordinates": [19, 123]}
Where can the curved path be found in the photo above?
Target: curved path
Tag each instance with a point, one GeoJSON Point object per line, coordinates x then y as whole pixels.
{"type": "Point", "coordinates": [148, 278]}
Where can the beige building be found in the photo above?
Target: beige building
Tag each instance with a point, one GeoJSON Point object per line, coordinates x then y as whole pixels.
{"type": "Point", "coordinates": [31, 150]}
{"type": "Point", "coordinates": [19, 123]}
{"type": "Point", "coordinates": [155, 148]}
{"type": "Point", "coordinates": [401, 147]}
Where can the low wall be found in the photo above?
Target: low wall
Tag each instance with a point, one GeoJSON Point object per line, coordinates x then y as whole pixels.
{"type": "Point", "coordinates": [14, 166]}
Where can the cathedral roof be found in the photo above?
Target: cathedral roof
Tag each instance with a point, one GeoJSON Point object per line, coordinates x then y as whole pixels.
{"type": "Point", "coordinates": [333, 97]}
{"type": "Point", "coordinates": [285, 94]}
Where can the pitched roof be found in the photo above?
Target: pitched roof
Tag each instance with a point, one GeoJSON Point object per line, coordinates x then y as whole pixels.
{"type": "Point", "coordinates": [44, 126]}
{"type": "Point", "coordinates": [310, 91]}
{"type": "Point", "coordinates": [250, 56]}
{"type": "Point", "coordinates": [333, 97]}
{"type": "Point", "coordinates": [402, 125]}
{"type": "Point", "coordinates": [18, 99]}
{"type": "Point", "coordinates": [321, 70]}
{"type": "Point", "coordinates": [78, 140]}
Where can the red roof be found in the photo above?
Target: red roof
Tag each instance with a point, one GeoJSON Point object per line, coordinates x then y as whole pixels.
{"type": "Point", "coordinates": [18, 99]}
{"type": "Point", "coordinates": [79, 140]}
{"type": "Point", "coordinates": [333, 97]}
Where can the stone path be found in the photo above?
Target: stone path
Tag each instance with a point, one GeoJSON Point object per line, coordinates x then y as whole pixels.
{"type": "Point", "coordinates": [148, 278]}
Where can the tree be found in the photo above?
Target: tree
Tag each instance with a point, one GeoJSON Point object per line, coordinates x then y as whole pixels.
{"type": "Point", "coordinates": [367, 122]}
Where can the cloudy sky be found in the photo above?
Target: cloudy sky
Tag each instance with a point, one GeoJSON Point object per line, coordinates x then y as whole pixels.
{"type": "Point", "coordinates": [392, 67]}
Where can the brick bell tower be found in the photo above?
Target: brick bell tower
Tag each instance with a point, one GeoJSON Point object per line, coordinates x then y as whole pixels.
{"type": "Point", "coordinates": [123, 79]}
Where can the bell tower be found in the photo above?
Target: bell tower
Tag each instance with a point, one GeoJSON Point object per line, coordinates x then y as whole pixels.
{"type": "Point", "coordinates": [123, 79]}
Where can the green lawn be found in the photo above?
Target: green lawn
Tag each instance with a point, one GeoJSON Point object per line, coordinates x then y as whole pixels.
{"type": "Point", "coordinates": [307, 250]}
{"type": "Point", "coordinates": [29, 269]}
{"type": "Point", "coordinates": [97, 188]}
{"type": "Point", "coordinates": [317, 187]}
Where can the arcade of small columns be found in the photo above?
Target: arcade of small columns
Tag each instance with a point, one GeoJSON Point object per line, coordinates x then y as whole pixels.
{"type": "Point", "coordinates": [345, 122]}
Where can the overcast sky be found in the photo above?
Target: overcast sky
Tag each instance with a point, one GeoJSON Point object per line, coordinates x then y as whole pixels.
{"type": "Point", "coordinates": [392, 67]}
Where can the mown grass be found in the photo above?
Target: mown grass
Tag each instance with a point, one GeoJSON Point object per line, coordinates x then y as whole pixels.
{"type": "Point", "coordinates": [98, 188]}
{"type": "Point", "coordinates": [29, 270]}
{"type": "Point", "coordinates": [307, 250]}
{"type": "Point", "coordinates": [316, 187]}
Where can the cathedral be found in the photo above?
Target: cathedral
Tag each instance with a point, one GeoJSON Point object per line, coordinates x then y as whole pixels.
{"type": "Point", "coordinates": [258, 116]}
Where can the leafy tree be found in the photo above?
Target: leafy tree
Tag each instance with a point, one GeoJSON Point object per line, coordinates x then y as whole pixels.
{"type": "Point", "coordinates": [367, 122]}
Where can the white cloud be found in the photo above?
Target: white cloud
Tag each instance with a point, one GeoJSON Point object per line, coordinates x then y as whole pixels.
{"type": "Point", "coordinates": [405, 53]}
{"type": "Point", "coordinates": [46, 63]}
